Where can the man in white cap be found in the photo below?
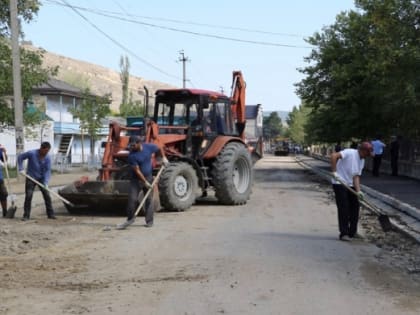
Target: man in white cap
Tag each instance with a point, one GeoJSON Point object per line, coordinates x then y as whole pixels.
{"type": "Point", "coordinates": [347, 166]}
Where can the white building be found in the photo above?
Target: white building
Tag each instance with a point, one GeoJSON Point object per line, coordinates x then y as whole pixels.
{"type": "Point", "coordinates": [56, 99]}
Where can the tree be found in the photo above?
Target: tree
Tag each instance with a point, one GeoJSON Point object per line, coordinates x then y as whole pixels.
{"type": "Point", "coordinates": [297, 120]}
{"type": "Point", "coordinates": [128, 106]}
{"type": "Point", "coordinates": [272, 126]}
{"type": "Point", "coordinates": [362, 76]}
{"type": "Point", "coordinates": [32, 72]}
{"type": "Point", "coordinates": [124, 77]}
{"type": "Point", "coordinates": [90, 113]}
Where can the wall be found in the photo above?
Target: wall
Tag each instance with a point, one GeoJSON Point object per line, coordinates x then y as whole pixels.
{"type": "Point", "coordinates": [33, 138]}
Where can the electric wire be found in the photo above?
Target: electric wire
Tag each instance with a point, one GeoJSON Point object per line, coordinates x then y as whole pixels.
{"type": "Point", "coordinates": [173, 29]}
{"type": "Point", "coordinates": [235, 28]}
{"type": "Point", "coordinates": [65, 3]}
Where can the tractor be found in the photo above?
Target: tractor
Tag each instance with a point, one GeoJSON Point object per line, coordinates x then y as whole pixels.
{"type": "Point", "coordinates": [203, 134]}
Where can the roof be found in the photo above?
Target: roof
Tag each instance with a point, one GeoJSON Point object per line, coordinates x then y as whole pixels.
{"type": "Point", "coordinates": [57, 87]}
{"type": "Point", "coordinates": [192, 92]}
{"type": "Point", "coordinates": [251, 111]}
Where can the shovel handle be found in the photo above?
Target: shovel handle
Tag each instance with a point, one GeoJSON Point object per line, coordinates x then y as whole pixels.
{"type": "Point", "coordinates": [49, 190]}
{"type": "Point", "coordinates": [364, 202]}
{"type": "Point", "coordinates": [149, 191]}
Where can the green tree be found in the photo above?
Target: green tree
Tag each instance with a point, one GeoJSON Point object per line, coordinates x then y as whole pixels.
{"type": "Point", "coordinates": [272, 126]}
{"type": "Point", "coordinates": [90, 113]}
{"type": "Point", "coordinates": [128, 106]}
{"type": "Point", "coordinates": [362, 76]}
{"type": "Point", "coordinates": [32, 72]}
{"type": "Point", "coordinates": [124, 77]}
{"type": "Point", "coordinates": [297, 120]}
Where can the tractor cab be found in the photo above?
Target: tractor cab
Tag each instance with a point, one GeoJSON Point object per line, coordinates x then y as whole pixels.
{"type": "Point", "coordinates": [200, 115]}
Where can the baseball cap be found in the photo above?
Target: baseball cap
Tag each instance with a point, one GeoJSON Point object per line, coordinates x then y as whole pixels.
{"type": "Point", "coordinates": [134, 139]}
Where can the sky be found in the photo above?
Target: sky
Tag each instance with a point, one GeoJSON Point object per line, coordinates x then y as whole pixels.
{"type": "Point", "coordinates": [152, 34]}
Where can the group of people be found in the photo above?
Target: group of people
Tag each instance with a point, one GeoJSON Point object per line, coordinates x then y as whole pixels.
{"type": "Point", "coordinates": [39, 168]}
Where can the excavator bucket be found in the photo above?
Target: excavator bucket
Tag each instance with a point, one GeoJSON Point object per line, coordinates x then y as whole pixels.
{"type": "Point", "coordinates": [97, 197]}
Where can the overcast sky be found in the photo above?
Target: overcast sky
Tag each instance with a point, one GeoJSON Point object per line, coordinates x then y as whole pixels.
{"type": "Point", "coordinates": [152, 33]}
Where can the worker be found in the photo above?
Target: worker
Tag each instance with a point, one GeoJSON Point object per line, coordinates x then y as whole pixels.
{"type": "Point", "coordinates": [3, 190]}
{"type": "Point", "coordinates": [347, 166]}
{"type": "Point", "coordinates": [140, 160]}
{"type": "Point", "coordinates": [39, 168]}
{"type": "Point", "coordinates": [378, 150]}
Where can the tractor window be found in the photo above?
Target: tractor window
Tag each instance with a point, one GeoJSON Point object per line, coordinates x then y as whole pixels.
{"type": "Point", "coordinates": [221, 118]}
{"type": "Point", "coordinates": [163, 114]}
{"type": "Point", "coordinates": [176, 114]}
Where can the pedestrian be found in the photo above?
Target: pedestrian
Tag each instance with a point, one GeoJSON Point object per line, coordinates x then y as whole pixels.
{"type": "Point", "coordinates": [395, 151]}
{"type": "Point", "coordinates": [378, 151]}
{"type": "Point", "coordinates": [140, 160]}
{"type": "Point", "coordinates": [3, 189]}
{"type": "Point", "coordinates": [347, 166]}
{"type": "Point", "coordinates": [39, 168]}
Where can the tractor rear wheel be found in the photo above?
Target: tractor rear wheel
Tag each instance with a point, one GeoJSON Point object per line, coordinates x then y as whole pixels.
{"type": "Point", "coordinates": [178, 186]}
{"type": "Point", "coordinates": [232, 175]}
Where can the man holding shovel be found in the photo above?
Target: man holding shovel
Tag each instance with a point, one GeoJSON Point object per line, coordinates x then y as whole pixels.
{"type": "Point", "coordinates": [39, 168]}
{"type": "Point", "coordinates": [3, 190]}
{"type": "Point", "coordinates": [140, 161]}
{"type": "Point", "coordinates": [347, 166]}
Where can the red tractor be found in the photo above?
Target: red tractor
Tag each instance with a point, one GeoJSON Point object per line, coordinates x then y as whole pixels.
{"type": "Point", "coordinates": [203, 134]}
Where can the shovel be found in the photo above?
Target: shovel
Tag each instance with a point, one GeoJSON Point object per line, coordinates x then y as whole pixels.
{"type": "Point", "coordinates": [49, 190]}
{"type": "Point", "coordinates": [10, 214]}
{"type": "Point", "coordinates": [382, 218]}
{"type": "Point", "coordinates": [123, 225]}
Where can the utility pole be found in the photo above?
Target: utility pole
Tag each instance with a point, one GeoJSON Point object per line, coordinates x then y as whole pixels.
{"type": "Point", "coordinates": [17, 85]}
{"type": "Point", "coordinates": [222, 90]}
{"type": "Point", "coordinates": [183, 59]}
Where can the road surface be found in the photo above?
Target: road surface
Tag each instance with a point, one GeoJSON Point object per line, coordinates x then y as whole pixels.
{"type": "Point", "coordinates": [278, 254]}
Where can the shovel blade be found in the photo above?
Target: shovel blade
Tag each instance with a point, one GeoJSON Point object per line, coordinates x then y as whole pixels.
{"type": "Point", "coordinates": [385, 222]}
{"type": "Point", "coordinates": [11, 212]}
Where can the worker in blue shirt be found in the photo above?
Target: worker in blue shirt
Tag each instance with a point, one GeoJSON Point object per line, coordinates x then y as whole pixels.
{"type": "Point", "coordinates": [39, 167]}
{"type": "Point", "coordinates": [378, 150]}
{"type": "Point", "coordinates": [140, 160]}
{"type": "Point", "coordinates": [3, 190]}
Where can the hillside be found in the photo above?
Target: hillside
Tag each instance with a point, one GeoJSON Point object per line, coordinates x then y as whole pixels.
{"type": "Point", "coordinates": [101, 80]}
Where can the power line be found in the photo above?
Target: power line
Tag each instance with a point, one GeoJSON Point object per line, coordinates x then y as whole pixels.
{"type": "Point", "coordinates": [65, 3]}
{"type": "Point", "coordinates": [168, 28]}
{"type": "Point", "coordinates": [235, 28]}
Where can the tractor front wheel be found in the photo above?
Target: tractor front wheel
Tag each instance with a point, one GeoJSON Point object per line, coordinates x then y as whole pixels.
{"type": "Point", "coordinates": [178, 186]}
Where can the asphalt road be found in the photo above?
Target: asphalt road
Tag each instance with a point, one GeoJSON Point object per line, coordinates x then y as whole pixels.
{"type": "Point", "coordinates": [278, 254]}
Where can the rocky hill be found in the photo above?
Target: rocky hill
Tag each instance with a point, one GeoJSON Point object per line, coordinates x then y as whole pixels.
{"type": "Point", "coordinates": [101, 80]}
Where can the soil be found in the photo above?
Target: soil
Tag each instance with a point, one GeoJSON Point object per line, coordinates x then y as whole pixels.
{"type": "Point", "coordinates": [278, 254]}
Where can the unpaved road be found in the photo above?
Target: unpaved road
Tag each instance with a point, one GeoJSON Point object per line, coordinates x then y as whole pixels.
{"type": "Point", "coordinates": [279, 254]}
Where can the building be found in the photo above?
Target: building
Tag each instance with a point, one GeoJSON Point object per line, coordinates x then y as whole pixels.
{"type": "Point", "coordinates": [70, 143]}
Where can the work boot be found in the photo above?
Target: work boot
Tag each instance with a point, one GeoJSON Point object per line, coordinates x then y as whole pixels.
{"type": "Point", "coordinates": [123, 226]}
{"type": "Point", "coordinates": [4, 213]}
{"type": "Point", "coordinates": [345, 238]}
{"type": "Point", "coordinates": [52, 217]}
{"type": "Point", "coordinates": [25, 218]}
